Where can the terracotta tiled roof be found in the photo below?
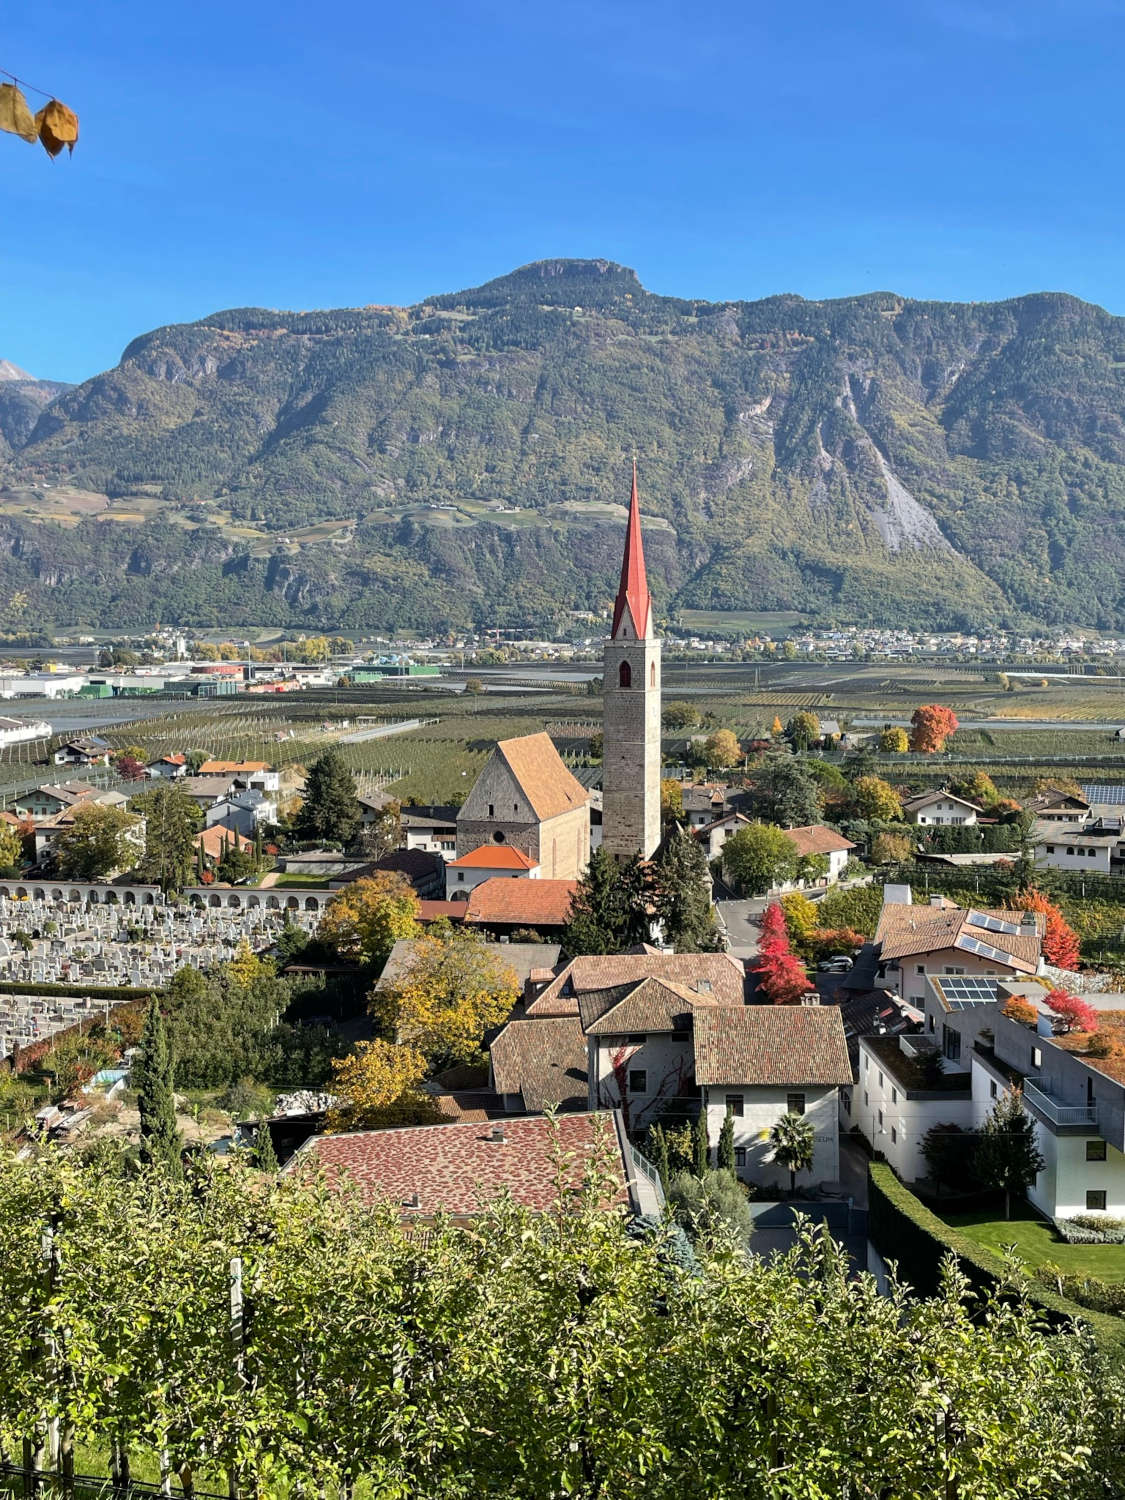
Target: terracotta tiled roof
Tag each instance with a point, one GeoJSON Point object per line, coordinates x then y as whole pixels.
{"type": "Point", "coordinates": [232, 767]}
{"type": "Point", "coordinates": [214, 840]}
{"type": "Point", "coordinates": [648, 1005]}
{"type": "Point", "coordinates": [904, 931]}
{"type": "Point", "coordinates": [493, 857]}
{"type": "Point", "coordinates": [435, 911]}
{"type": "Point", "coordinates": [544, 1061]}
{"type": "Point", "coordinates": [817, 839]}
{"type": "Point", "coordinates": [692, 972]}
{"type": "Point", "coordinates": [542, 776]}
{"type": "Point", "coordinates": [470, 1106]}
{"type": "Point", "coordinates": [528, 903]}
{"type": "Point", "coordinates": [771, 1045]}
{"type": "Point", "coordinates": [458, 1169]}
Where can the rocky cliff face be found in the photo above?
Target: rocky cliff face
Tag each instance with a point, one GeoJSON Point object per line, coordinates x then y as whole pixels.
{"type": "Point", "coordinates": [868, 458]}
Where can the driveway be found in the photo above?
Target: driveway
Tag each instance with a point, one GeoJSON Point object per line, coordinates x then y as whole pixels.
{"type": "Point", "coordinates": [740, 921]}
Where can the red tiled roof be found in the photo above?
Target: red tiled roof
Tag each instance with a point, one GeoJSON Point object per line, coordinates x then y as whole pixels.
{"type": "Point", "coordinates": [817, 839]}
{"type": "Point", "coordinates": [528, 903]}
{"type": "Point", "coordinates": [214, 840]}
{"type": "Point", "coordinates": [434, 911]}
{"type": "Point", "coordinates": [542, 776]}
{"type": "Point", "coordinates": [906, 930]}
{"type": "Point", "coordinates": [231, 767]}
{"type": "Point", "coordinates": [544, 1061]}
{"type": "Point", "coordinates": [771, 1045]}
{"type": "Point", "coordinates": [459, 1168]}
{"type": "Point", "coordinates": [494, 857]}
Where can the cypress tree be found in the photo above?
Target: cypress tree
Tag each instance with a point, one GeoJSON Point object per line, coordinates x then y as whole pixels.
{"type": "Point", "coordinates": [658, 1154]}
{"type": "Point", "coordinates": [683, 894]}
{"type": "Point", "coordinates": [265, 1157]}
{"type": "Point", "coordinates": [152, 1079]}
{"type": "Point", "coordinates": [330, 809]}
{"type": "Point", "coordinates": [701, 1145]}
{"type": "Point", "coordinates": [726, 1143]}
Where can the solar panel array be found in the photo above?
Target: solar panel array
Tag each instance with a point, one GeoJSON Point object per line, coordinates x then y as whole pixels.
{"type": "Point", "coordinates": [961, 990]}
{"type": "Point", "coordinates": [992, 924]}
{"type": "Point", "coordinates": [986, 950]}
{"type": "Point", "coordinates": [1108, 796]}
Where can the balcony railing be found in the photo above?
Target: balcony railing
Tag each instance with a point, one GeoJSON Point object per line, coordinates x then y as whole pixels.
{"type": "Point", "coordinates": [1058, 1114]}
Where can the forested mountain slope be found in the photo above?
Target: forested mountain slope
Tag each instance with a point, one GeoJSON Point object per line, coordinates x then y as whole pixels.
{"type": "Point", "coordinates": [870, 458]}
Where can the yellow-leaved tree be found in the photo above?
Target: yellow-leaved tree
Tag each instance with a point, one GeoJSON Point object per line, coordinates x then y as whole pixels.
{"type": "Point", "coordinates": [365, 921]}
{"type": "Point", "coordinates": [379, 1085]}
{"type": "Point", "coordinates": [246, 966]}
{"type": "Point", "coordinates": [454, 991]}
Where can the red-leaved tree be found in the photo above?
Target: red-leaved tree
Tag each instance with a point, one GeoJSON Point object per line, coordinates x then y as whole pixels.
{"type": "Point", "coordinates": [781, 974]}
{"type": "Point", "coordinates": [930, 726]}
{"type": "Point", "coordinates": [1071, 1012]}
{"type": "Point", "coordinates": [1060, 944]}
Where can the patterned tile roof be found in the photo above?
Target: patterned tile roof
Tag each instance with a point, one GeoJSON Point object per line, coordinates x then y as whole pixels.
{"type": "Point", "coordinates": [458, 1169]}
{"type": "Point", "coordinates": [649, 1005]}
{"type": "Point", "coordinates": [771, 1046]}
{"type": "Point", "coordinates": [817, 839]}
{"type": "Point", "coordinates": [544, 1061]}
{"type": "Point", "coordinates": [528, 903]}
{"type": "Point", "coordinates": [610, 971]}
{"type": "Point", "coordinates": [907, 930]}
{"type": "Point", "coordinates": [493, 857]}
{"type": "Point", "coordinates": [542, 775]}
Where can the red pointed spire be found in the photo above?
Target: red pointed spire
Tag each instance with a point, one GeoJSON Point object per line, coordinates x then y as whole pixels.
{"type": "Point", "coordinates": [634, 603]}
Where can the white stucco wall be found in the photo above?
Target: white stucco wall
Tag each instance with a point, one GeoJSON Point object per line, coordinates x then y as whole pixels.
{"type": "Point", "coordinates": [1069, 852]}
{"type": "Point", "coordinates": [908, 975]}
{"type": "Point", "coordinates": [905, 1120]}
{"type": "Point", "coordinates": [459, 883]}
{"type": "Point", "coordinates": [761, 1109]}
{"type": "Point", "coordinates": [946, 814]}
{"type": "Point", "coordinates": [667, 1060]}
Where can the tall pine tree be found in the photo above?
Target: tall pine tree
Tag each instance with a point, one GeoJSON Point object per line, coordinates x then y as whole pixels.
{"type": "Point", "coordinates": [330, 809]}
{"type": "Point", "coordinates": [152, 1079]}
{"type": "Point", "coordinates": [683, 894]}
{"type": "Point", "coordinates": [610, 911]}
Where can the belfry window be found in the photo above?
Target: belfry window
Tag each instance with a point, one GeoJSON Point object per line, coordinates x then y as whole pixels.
{"type": "Point", "coordinates": [625, 675]}
{"type": "Point", "coordinates": [652, 675]}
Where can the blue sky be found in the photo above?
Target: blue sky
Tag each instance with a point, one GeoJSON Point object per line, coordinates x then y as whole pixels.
{"type": "Point", "coordinates": [294, 155]}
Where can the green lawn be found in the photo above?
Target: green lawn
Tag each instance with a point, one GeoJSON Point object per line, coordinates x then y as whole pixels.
{"type": "Point", "coordinates": [1036, 1242]}
{"type": "Point", "coordinates": [305, 883]}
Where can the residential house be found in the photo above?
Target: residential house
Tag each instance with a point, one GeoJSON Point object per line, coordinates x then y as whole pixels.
{"type": "Point", "coordinates": [704, 804]}
{"type": "Point", "coordinates": [249, 775]}
{"type": "Point", "coordinates": [433, 830]}
{"type": "Point", "coordinates": [499, 861]}
{"type": "Point", "coordinates": [540, 1063]}
{"type": "Point", "coordinates": [1055, 806]}
{"type": "Point", "coordinates": [818, 841]}
{"type": "Point", "coordinates": [47, 801]}
{"type": "Point", "coordinates": [205, 791]}
{"type": "Point", "coordinates": [88, 750]}
{"type": "Point", "coordinates": [425, 872]}
{"type": "Point", "coordinates": [760, 1062]}
{"type": "Point", "coordinates": [713, 836]}
{"type": "Point", "coordinates": [459, 1169]}
{"type": "Point", "coordinates": [941, 809]}
{"type": "Point", "coordinates": [527, 798]}
{"type": "Point", "coordinates": [47, 830]}
{"type": "Point", "coordinates": [215, 840]}
{"type": "Point", "coordinates": [167, 767]}
{"type": "Point", "coordinates": [242, 809]}
{"type": "Point", "coordinates": [1096, 846]}
{"type": "Point", "coordinates": [943, 938]}
{"type": "Point", "coordinates": [501, 906]}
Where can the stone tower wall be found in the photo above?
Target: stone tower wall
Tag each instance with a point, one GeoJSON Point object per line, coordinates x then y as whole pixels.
{"type": "Point", "coordinates": [631, 753]}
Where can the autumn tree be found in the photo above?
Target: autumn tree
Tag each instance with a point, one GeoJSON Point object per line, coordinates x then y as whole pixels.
{"type": "Point", "coordinates": [891, 848]}
{"type": "Point", "coordinates": [894, 741]}
{"type": "Point", "coordinates": [1060, 942]}
{"type": "Point", "coordinates": [454, 990]}
{"type": "Point", "coordinates": [801, 916]}
{"type": "Point", "coordinates": [11, 849]}
{"type": "Point", "coordinates": [931, 724]}
{"type": "Point", "coordinates": [671, 800]}
{"type": "Point", "coordinates": [383, 834]}
{"type": "Point", "coordinates": [876, 800]}
{"type": "Point", "coordinates": [378, 1085]}
{"type": "Point", "coordinates": [1070, 1012]}
{"type": "Point", "coordinates": [978, 787]}
{"type": "Point", "coordinates": [803, 729]}
{"type": "Point", "coordinates": [780, 973]}
{"type": "Point", "coordinates": [367, 918]}
{"type": "Point", "coordinates": [99, 841]}
{"type": "Point", "coordinates": [759, 857]}
{"type": "Point", "coordinates": [680, 716]}
{"type": "Point", "coordinates": [721, 750]}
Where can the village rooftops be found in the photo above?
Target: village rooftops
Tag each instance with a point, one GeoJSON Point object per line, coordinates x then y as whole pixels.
{"type": "Point", "coordinates": [233, 767]}
{"type": "Point", "coordinates": [714, 975]}
{"type": "Point", "coordinates": [522, 958]}
{"type": "Point", "coordinates": [503, 902]}
{"type": "Point", "coordinates": [543, 1061]}
{"type": "Point", "coordinates": [459, 1169]}
{"type": "Point", "coordinates": [817, 839]}
{"type": "Point", "coordinates": [648, 1005]}
{"type": "Point", "coordinates": [771, 1046]}
{"type": "Point", "coordinates": [493, 857]}
{"type": "Point", "coordinates": [927, 799]}
{"type": "Point", "coordinates": [1013, 938]}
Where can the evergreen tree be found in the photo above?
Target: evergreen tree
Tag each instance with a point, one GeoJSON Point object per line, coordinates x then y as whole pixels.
{"type": "Point", "coordinates": [701, 1145]}
{"type": "Point", "coordinates": [330, 809]}
{"type": "Point", "coordinates": [658, 1154]}
{"type": "Point", "coordinates": [152, 1079]}
{"type": "Point", "coordinates": [782, 791]}
{"type": "Point", "coordinates": [725, 1154]}
{"type": "Point", "coordinates": [1007, 1156]}
{"type": "Point", "coordinates": [265, 1157]}
{"type": "Point", "coordinates": [610, 910]}
{"type": "Point", "coordinates": [172, 821]}
{"type": "Point", "coordinates": [683, 894]}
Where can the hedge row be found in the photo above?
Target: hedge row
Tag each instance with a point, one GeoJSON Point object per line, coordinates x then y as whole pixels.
{"type": "Point", "coordinates": [903, 1230]}
{"type": "Point", "coordinates": [111, 992]}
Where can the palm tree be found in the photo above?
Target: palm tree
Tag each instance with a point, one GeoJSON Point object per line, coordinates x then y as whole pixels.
{"type": "Point", "coordinates": [793, 1140]}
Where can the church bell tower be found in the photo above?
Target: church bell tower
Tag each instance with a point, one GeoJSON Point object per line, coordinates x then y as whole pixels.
{"type": "Point", "coordinates": [631, 750]}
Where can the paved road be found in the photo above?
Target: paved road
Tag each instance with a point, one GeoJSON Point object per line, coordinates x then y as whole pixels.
{"type": "Point", "coordinates": [740, 920]}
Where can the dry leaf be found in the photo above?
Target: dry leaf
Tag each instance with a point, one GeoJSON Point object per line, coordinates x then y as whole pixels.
{"type": "Point", "coordinates": [58, 127]}
{"type": "Point", "coordinates": [15, 116]}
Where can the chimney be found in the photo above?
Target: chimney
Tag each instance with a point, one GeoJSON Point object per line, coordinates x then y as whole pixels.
{"type": "Point", "coordinates": [497, 1134]}
{"type": "Point", "coordinates": [937, 900]}
{"type": "Point", "coordinates": [414, 1201]}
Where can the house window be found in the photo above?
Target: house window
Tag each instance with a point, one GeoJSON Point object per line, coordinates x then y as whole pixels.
{"type": "Point", "coordinates": [992, 1089]}
{"type": "Point", "coordinates": [894, 1136]}
{"type": "Point", "coordinates": [894, 1096]}
{"type": "Point", "coordinates": [1095, 1198]}
{"type": "Point", "coordinates": [931, 1023]}
{"type": "Point", "coordinates": [795, 1104]}
{"type": "Point", "coordinates": [1036, 1058]}
{"type": "Point", "coordinates": [920, 968]}
{"type": "Point", "coordinates": [880, 1119]}
{"type": "Point", "coordinates": [652, 675]}
{"type": "Point", "coordinates": [1095, 1151]}
{"type": "Point", "coordinates": [734, 1105]}
{"type": "Point", "coordinates": [951, 1043]}
{"type": "Point", "coordinates": [461, 875]}
{"type": "Point", "coordinates": [880, 1078]}
{"type": "Point", "coordinates": [846, 1100]}
{"type": "Point", "coordinates": [638, 1080]}
{"type": "Point", "coordinates": [866, 1099]}
{"type": "Point", "coordinates": [1050, 848]}
{"type": "Point", "coordinates": [948, 970]}
{"type": "Point", "coordinates": [624, 675]}
{"type": "Point", "coordinates": [740, 1156]}
{"type": "Point", "coordinates": [491, 810]}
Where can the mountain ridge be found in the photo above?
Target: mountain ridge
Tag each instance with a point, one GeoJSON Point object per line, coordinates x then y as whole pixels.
{"type": "Point", "coordinates": [868, 458]}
